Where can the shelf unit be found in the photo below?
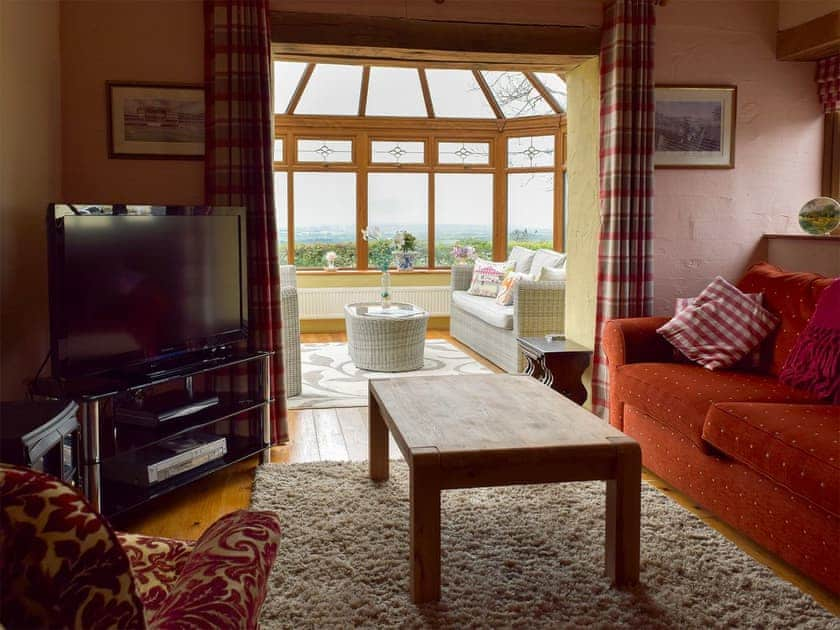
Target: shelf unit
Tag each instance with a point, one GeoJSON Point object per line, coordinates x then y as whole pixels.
{"type": "Point", "coordinates": [244, 419]}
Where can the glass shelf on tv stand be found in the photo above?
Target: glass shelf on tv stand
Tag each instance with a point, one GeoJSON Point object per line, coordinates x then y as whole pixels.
{"type": "Point", "coordinates": [94, 395]}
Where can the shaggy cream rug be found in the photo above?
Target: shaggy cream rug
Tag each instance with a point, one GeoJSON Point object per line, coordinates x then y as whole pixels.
{"type": "Point", "coordinates": [527, 556]}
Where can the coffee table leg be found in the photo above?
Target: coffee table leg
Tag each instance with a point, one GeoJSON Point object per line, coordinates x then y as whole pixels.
{"type": "Point", "coordinates": [425, 529]}
{"type": "Point", "coordinates": [623, 514]}
{"type": "Point", "coordinates": [377, 441]}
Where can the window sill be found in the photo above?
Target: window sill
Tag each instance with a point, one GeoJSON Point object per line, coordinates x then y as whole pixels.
{"type": "Point", "coordinates": [369, 272]}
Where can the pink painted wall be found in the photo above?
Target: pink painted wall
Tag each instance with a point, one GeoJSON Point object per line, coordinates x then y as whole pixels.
{"type": "Point", "coordinates": [710, 222]}
{"type": "Point", "coordinates": [133, 40]}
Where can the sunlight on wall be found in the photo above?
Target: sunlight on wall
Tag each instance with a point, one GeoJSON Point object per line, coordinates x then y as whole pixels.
{"type": "Point", "coordinates": [583, 211]}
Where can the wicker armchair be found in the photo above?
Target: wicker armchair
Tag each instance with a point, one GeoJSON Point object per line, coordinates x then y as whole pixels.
{"type": "Point", "coordinates": [62, 566]}
{"type": "Point", "coordinates": [538, 309]}
{"type": "Point", "coordinates": [290, 317]}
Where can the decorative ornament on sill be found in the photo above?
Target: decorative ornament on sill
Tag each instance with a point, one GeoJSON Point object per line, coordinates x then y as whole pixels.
{"type": "Point", "coordinates": [462, 254]}
{"type": "Point", "coordinates": [404, 254]}
{"type": "Point", "coordinates": [330, 258]}
{"type": "Point", "coordinates": [820, 216]}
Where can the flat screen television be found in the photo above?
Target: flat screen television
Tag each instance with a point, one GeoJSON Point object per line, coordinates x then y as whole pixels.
{"type": "Point", "coordinates": [135, 287]}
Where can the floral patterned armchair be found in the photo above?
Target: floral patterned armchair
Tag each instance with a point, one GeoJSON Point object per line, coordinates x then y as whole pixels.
{"type": "Point", "coordinates": [61, 565]}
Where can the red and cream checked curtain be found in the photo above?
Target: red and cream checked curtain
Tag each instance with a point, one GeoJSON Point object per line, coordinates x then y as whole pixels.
{"type": "Point", "coordinates": [625, 252]}
{"type": "Point", "coordinates": [828, 83]}
{"type": "Point", "coordinates": [238, 161]}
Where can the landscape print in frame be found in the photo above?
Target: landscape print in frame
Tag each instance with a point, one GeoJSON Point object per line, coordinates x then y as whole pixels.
{"type": "Point", "coordinates": [695, 127]}
{"type": "Point", "coordinates": [155, 120]}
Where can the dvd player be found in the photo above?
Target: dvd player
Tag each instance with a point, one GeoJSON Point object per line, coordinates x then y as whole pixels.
{"type": "Point", "coordinates": [164, 407]}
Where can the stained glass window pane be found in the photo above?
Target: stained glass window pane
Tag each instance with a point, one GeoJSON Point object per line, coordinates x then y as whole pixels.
{"type": "Point", "coordinates": [397, 152]}
{"type": "Point", "coordinates": [464, 153]}
{"type": "Point", "coordinates": [395, 92]}
{"type": "Point", "coordinates": [278, 150]}
{"type": "Point", "coordinates": [531, 151]}
{"type": "Point", "coordinates": [325, 150]}
{"type": "Point", "coordinates": [400, 201]}
{"type": "Point", "coordinates": [456, 94]}
{"type": "Point", "coordinates": [515, 94]}
{"type": "Point", "coordinates": [287, 75]}
{"type": "Point", "coordinates": [325, 218]}
{"type": "Point", "coordinates": [281, 205]}
{"type": "Point", "coordinates": [463, 214]}
{"type": "Point", "coordinates": [332, 90]}
{"type": "Point", "coordinates": [531, 210]}
{"type": "Point", "coordinates": [555, 85]}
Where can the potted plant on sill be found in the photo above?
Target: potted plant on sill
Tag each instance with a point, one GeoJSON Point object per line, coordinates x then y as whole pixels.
{"type": "Point", "coordinates": [404, 254]}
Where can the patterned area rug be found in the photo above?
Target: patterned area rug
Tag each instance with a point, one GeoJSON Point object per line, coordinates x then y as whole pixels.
{"type": "Point", "coordinates": [330, 379]}
{"type": "Point", "coordinates": [526, 556]}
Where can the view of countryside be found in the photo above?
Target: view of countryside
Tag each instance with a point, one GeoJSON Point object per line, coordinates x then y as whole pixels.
{"type": "Point", "coordinates": [325, 207]}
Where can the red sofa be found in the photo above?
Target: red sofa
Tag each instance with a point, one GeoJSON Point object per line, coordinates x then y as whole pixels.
{"type": "Point", "coordinates": [763, 457]}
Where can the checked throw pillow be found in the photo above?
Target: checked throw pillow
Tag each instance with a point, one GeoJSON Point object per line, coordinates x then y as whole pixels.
{"type": "Point", "coordinates": [721, 327]}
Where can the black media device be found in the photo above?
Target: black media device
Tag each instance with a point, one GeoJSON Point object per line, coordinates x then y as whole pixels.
{"type": "Point", "coordinates": [146, 291]}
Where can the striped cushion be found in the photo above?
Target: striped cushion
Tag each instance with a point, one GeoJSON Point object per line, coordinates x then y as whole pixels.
{"type": "Point", "coordinates": [722, 326]}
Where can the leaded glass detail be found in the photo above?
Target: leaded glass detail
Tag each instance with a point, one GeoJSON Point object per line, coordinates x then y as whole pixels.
{"type": "Point", "coordinates": [464, 153]}
{"type": "Point", "coordinates": [397, 152]}
{"type": "Point", "coordinates": [531, 151]}
{"type": "Point", "coordinates": [325, 151]}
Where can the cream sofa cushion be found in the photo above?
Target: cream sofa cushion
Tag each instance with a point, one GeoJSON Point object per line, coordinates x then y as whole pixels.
{"type": "Point", "coordinates": [546, 258]}
{"type": "Point", "coordinates": [485, 309]}
{"type": "Point", "coordinates": [522, 257]}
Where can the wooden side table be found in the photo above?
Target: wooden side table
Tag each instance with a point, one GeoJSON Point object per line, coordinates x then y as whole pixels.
{"type": "Point", "coordinates": [558, 364]}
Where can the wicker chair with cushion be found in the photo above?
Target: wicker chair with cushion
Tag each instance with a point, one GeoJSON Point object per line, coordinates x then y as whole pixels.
{"type": "Point", "coordinates": [61, 565]}
{"type": "Point", "coordinates": [491, 329]}
{"type": "Point", "coordinates": [290, 317]}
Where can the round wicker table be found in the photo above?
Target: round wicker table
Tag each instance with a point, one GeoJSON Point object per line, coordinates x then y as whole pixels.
{"type": "Point", "coordinates": [386, 340]}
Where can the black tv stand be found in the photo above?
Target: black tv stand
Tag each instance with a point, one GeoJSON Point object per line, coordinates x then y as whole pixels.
{"type": "Point", "coordinates": [243, 418]}
{"type": "Point", "coordinates": [179, 366]}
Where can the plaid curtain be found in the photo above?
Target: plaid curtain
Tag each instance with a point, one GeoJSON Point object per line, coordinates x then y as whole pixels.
{"type": "Point", "coordinates": [625, 261]}
{"type": "Point", "coordinates": [828, 83]}
{"type": "Point", "coordinates": [238, 171]}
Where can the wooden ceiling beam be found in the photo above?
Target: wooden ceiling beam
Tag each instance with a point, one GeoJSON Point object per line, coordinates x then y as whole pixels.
{"type": "Point", "coordinates": [301, 86]}
{"type": "Point", "coordinates": [363, 92]}
{"type": "Point", "coordinates": [544, 92]}
{"type": "Point", "coordinates": [488, 94]}
{"type": "Point", "coordinates": [337, 55]}
{"type": "Point", "coordinates": [427, 95]}
{"type": "Point", "coordinates": [810, 41]}
{"type": "Point", "coordinates": [378, 35]}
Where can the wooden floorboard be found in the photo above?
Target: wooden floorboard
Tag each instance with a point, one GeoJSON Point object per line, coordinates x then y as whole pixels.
{"type": "Point", "coordinates": [341, 435]}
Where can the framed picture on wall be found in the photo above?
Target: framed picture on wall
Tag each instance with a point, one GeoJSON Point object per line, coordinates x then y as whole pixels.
{"type": "Point", "coordinates": [155, 120]}
{"type": "Point", "coordinates": [695, 127]}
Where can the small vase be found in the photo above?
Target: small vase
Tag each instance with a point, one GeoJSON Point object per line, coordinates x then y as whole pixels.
{"type": "Point", "coordinates": [405, 260]}
{"type": "Point", "coordinates": [385, 289]}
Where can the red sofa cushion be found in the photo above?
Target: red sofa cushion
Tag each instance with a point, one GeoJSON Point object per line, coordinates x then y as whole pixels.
{"type": "Point", "coordinates": [797, 446]}
{"type": "Point", "coordinates": [679, 395]}
{"type": "Point", "coordinates": [791, 296]}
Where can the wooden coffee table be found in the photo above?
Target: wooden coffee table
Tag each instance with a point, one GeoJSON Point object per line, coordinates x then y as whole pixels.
{"type": "Point", "coordinates": [497, 430]}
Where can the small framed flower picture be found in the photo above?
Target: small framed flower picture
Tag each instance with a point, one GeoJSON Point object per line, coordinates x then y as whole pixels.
{"type": "Point", "coordinates": [695, 127]}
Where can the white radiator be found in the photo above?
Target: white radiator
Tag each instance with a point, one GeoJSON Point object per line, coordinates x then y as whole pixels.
{"type": "Point", "coordinates": [328, 303]}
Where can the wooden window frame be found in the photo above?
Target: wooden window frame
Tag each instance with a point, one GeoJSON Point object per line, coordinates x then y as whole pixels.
{"type": "Point", "coordinates": [363, 130]}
